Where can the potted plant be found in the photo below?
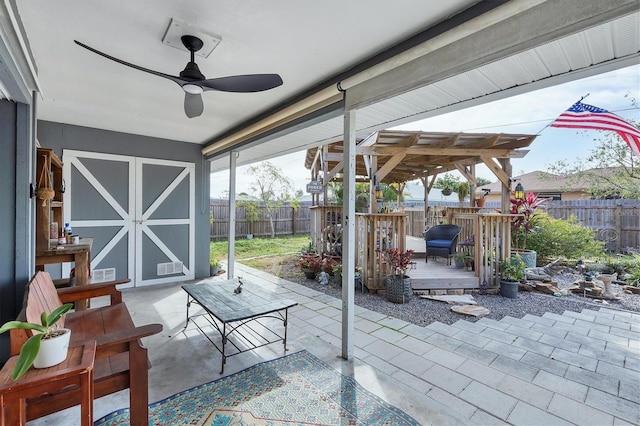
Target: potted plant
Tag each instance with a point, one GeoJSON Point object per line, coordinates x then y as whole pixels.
{"type": "Point", "coordinates": [357, 276]}
{"type": "Point", "coordinates": [337, 272]}
{"type": "Point", "coordinates": [463, 191]}
{"type": "Point", "coordinates": [511, 273]}
{"type": "Point", "coordinates": [327, 264]}
{"type": "Point", "coordinates": [460, 259]}
{"type": "Point", "coordinates": [214, 266]}
{"type": "Point", "coordinates": [310, 264]}
{"type": "Point", "coordinates": [446, 191]}
{"type": "Point", "coordinates": [309, 249]}
{"type": "Point", "coordinates": [398, 284]}
{"type": "Point", "coordinates": [44, 349]}
{"type": "Point", "coordinates": [480, 197]}
{"type": "Point", "coordinates": [523, 225]}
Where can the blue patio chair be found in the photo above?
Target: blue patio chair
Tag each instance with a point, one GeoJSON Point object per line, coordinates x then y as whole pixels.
{"type": "Point", "coordinates": [441, 241]}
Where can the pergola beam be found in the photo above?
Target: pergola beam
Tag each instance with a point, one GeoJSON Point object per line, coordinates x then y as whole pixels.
{"type": "Point", "coordinates": [389, 166]}
{"type": "Point", "coordinates": [497, 170]}
{"type": "Point", "coordinates": [453, 151]}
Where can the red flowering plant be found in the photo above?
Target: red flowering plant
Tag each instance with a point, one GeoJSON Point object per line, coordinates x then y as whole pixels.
{"type": "Point", "coordinates": [524, 224]}
{"type": "Point", "coordinates": [327, 265]}
{"type": "Point", "coordinates": [310, 262]}
{"type": "Point", "coordinates": [399, 260]}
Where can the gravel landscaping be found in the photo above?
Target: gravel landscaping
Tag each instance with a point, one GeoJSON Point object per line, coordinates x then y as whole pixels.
{"type": "Point", "coordinates": [423, 312]}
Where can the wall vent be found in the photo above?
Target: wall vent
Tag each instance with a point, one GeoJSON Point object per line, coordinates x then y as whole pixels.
{"type": "Point", "coordinates": [169, 268]}
{"type": "Point", "coordinates": [103, 275]}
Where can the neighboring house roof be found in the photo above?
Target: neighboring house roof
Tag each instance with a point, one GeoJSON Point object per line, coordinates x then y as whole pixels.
{"type": "Point", "coordinates": [539, 181]}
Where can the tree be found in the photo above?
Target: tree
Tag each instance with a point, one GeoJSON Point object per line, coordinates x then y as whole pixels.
{"type": "Point", "coordinates": [336, 192]}
{"type": "Point", "coordinates": [480, 181]}
{"type": "Point", "coordinates": [610, 169]}
{"type": "Point", "coordinates": [273, 189]}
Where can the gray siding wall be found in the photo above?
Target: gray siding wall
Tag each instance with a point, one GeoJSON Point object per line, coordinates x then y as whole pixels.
{"type": "Point", "coordinates": [58, 136]}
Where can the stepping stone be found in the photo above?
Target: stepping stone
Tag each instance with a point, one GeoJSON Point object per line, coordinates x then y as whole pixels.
{"type": "Point", "coordinates": [451, 299]}
{"type": "Point", "coordinates": [474, 311]}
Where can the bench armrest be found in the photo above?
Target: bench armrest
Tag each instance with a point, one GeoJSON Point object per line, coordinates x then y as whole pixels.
{"type": "Point", "coordinates": [120, 337]}
{"type": "Point", "coordinates": [72, 294]}
{"type": "Point", "coordinates": [130, 334]}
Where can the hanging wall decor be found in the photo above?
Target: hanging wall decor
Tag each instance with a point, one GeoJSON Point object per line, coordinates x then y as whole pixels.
{"type": "Point", "coordinates": [45, 191]}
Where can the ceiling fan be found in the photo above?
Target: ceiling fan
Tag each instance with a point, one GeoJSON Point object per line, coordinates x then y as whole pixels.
{"type": "Point", "coordinates": [193, 82]}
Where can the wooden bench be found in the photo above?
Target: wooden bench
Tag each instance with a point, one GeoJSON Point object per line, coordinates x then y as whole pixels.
{"type": "Point", "coordinates": [121, 359]}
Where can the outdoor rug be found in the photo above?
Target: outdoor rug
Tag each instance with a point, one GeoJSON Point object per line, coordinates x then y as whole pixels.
{"type": "Point", "coordinates": [297, 389]}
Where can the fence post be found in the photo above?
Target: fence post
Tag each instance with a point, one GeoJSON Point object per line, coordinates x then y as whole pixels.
{"type": "Point", "coordinates": [293, 221]}
{"type": "Point", "coordinates": [617, 219]}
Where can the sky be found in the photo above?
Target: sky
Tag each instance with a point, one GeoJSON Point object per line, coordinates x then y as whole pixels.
{"type": "Point", "coordinates": [529, 113]}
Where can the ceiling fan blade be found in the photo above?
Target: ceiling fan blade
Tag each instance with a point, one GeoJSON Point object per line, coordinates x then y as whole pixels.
{"type": "Point", "coordinates": [242, 83]}
{"type": "Point", "coordinates": [137, 67]}
{"type": "Point", "coordinates": [193, 105]}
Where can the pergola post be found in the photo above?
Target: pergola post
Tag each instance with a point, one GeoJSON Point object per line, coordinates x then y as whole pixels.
{"type": "Point", "coordinates": [373, 201]}
{"type": "Point", "coordinates": [505, 163]}
{"type": "Point", "coordinates": [472, 186]}
{"type": "Point", "coordinates": [425, 184]}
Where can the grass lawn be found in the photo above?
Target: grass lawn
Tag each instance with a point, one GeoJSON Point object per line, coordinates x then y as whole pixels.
{"type": "Point", "coordinates": [261, 247]}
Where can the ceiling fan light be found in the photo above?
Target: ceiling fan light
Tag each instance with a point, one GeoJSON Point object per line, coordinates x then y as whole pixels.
{"type": "Point", "coordinates": [194, 89]}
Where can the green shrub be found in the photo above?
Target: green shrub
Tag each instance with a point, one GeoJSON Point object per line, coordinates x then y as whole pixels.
{"type": "Point", "coordinates": [568, 238]}
{"type": "Point", "coordinates": [632, 267]}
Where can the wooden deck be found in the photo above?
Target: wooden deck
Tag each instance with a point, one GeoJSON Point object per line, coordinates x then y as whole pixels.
{"type": "Point", "coordinates": [436, 274]}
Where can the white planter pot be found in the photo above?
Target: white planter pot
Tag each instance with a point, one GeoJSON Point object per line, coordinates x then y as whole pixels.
{"type": "Point", "coordinates": [53, 351]}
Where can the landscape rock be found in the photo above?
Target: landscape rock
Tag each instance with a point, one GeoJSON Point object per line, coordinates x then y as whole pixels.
{"type": "Point", "coordinates": [547, 288]}
{"type": "Point", "coordinates": [631, 289]}
{"type": "Point", "coordinates": [474, 311]}
{"type": "Point", "coordinates": [451, 299]}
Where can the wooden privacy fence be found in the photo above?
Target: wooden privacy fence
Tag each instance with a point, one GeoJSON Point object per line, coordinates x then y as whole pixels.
{"type": "Point", "coordinates": [286, 220]}
{"type": "Point", "coordinates": [617, 222]}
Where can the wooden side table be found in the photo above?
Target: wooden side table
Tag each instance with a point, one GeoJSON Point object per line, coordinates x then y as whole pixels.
{"type": "Point", "coordinates": [76, 371]}
{"type": "Point", "coordinates": [80, 254]}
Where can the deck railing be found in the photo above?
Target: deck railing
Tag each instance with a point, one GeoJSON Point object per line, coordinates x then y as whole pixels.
{"type": "Point", "coordinates": [491, 234]}
{"type": "Point", "coordinates": [373, 231]}
{"type": "Point", "coordinates": [374, 234]}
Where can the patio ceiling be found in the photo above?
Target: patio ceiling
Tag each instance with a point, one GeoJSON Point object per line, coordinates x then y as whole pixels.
{"type": "Point", "coordinates": [403, 156]}
{"type": "Point", "coordinates": [305, 42]}
{"type": "Point", "coordinates": [398, 61]}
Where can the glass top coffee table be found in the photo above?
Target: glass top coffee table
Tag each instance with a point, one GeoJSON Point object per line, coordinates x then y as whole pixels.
{"type": "Point", "coordinates": [245, 315]}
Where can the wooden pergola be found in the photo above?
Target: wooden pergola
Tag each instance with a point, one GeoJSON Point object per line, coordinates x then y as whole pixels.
{"type": "Point", "coordinates": [402, 156]}
{"type": "Point", "coordinates": [397, 156]}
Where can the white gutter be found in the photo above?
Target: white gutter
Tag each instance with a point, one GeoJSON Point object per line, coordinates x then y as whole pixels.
{"type": "Point", "coordinates": [332, 93]}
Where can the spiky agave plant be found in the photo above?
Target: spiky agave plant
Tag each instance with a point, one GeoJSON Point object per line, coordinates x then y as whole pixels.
{"type": "Point", "coordinates": [30, 349]}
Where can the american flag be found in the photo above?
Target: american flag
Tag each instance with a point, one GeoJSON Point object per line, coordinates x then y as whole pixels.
{"type": "Point", "coordinates": [584, 116]}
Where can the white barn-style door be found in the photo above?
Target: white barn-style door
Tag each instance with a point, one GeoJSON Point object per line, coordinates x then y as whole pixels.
{"type": "Point", "coordinates": [139, 211]}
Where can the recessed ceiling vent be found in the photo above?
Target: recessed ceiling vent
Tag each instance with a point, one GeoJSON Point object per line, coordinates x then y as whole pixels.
{"type": "Point", "coordinates": [177, 29]}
